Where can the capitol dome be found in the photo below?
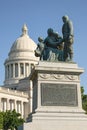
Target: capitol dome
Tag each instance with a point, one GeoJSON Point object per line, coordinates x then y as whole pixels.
{"type": "Point", "coordinates": [24, 46]}
{"type": "Point", "coordinates": [20, 58]}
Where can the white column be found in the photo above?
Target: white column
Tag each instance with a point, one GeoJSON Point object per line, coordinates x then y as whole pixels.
{"type": "Point", "coordinates": [19, 106]}
{"type": "Point", "coordinates": [29, 68]}
{"type": "Point", "coordinates": [26, 69]}
{"type": "Point", "coordinates": [30, 96]}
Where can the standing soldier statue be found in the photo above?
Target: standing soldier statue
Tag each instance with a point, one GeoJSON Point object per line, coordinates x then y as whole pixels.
{"type": "Point", "coordinates": [68, 38]}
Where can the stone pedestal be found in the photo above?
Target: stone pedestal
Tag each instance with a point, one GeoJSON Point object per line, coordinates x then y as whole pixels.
{"type": "Point", "coordinates": [56, 98]}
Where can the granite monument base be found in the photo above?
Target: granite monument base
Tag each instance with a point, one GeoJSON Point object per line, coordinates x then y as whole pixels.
{"type": "Point", "coordinates": [58, 122]}
{"type": "Point", "coordinates": [56, 101]}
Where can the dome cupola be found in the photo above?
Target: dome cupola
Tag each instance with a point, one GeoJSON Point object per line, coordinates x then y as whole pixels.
{"type": "Point", "coordinates": [23, 46]}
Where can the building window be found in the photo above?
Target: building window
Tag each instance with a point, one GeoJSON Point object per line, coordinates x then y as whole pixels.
{"type": "Point", "coordinates": [8, 71]}
{"type": "Point", "coordinates": [11, 70]}
{"type": "Point", "coordinates": [18, 106]}
{"type": "Point", "coordinates": [16, 70]}
{"type": "Point", "coordinates": [21, 69]}
{"type": "Point", "coordinates": [11, 105]}
{"type": "Point", "coordinates": [4, 104]}
{"type": "Point", "coordinates": [32, 66]}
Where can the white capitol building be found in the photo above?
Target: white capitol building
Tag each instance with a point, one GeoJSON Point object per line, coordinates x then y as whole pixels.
{"type": "Point", "coordinates": [16, 93]}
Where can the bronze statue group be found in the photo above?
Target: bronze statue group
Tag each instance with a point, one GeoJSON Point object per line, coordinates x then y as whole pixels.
{"type": "Point", "coordinates": [54, 47]}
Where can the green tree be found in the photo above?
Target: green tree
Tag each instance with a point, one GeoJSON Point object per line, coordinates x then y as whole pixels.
{"type": "Point", "coordinates": [16, 120]}
{"type": "Point", "coordinates": [84, 99]}
{"type": "Point", "coordinates": [11, 120]}
{"type": "Point", "coordinates": [1, 120]}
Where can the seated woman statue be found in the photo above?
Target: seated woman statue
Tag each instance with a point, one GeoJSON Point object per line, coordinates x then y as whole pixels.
{"type": "Point", "coordinates": [50, 49]}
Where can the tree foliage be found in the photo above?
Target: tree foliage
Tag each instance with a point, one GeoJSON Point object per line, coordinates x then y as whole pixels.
{"type": "Point", "coordinates": [84, 99]}
{"type": "Point", "coordinates": [11, 120]}
{"type": "Point", "coordinates": [1, 120]}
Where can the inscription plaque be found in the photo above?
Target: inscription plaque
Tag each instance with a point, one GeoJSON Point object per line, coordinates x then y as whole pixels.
{"type": "Point", "coordinates": [58, 94]}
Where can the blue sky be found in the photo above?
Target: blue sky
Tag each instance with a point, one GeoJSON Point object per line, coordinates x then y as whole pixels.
{"type": "Point", "coordinates": [39, 15]}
